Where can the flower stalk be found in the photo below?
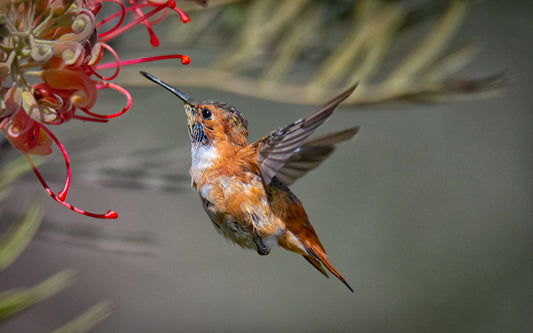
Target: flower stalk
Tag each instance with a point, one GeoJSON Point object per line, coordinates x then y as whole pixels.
{"type": "Point", "coordinates": [50, 53]}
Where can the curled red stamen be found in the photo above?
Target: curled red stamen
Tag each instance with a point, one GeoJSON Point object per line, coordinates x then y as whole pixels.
{"type": "Point", "coordinates": [126, 10]}
{"type": "Point", "coordinates": [60, 198]}
{"type": "Point", "coordinates": [103, 85]}
{"type": "Point", "coordinates": [138, 13]}
{"type": "Point", "coordinates": [121, 13]}
{"type": "Point", "coordinates": [103, 37]}
{"type": "Point", "coordinates": [116, 64]}
{"type": "Point", "coordinates": [184, 60]}
{"type": "Point", "coordinates": [63, 193]}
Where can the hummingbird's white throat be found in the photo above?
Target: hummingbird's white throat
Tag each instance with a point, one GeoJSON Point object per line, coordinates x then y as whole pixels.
{"type": "Point", "coordinates": [203, 157]}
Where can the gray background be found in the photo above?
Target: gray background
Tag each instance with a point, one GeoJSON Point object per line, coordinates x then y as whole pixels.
{"type": "Point", "coordinates": [427, 214]}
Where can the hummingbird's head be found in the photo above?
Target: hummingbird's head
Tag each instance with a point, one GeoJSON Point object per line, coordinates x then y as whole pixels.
{"type": "Point", "coordinates": [210, 121]}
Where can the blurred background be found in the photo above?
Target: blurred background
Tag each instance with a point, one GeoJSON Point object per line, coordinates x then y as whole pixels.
{"type": "Point", "coordinates": [426, 212]}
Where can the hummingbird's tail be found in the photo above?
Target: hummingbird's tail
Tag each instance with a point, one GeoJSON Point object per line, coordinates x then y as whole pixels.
{"type": "Point", "coordinates": [316, 264]}
{"type": "Point", "coordinates": [299, 236]}
{"type": "Point", "coordinates": [316, 256]}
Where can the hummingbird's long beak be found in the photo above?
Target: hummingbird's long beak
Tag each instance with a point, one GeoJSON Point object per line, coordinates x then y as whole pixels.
{"type": "Point", "coordinates": [186, 99]}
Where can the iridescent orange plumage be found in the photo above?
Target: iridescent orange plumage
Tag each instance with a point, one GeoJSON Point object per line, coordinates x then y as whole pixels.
{"type": "Point", "coordinates": [243, 187]}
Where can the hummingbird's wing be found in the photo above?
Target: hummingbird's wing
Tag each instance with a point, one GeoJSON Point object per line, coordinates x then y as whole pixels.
{"type": "Point", "coordinates": [275, 149]}
{"type": "Point", "coordinates": [311, 154]}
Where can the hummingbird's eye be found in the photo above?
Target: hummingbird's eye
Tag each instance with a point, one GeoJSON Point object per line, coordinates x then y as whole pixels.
{"type": "Point", "coordinates": [206, 113]}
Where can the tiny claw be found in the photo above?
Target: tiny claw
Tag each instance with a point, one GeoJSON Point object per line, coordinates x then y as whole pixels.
{"type": "Point", "coordinates": [262, 249]}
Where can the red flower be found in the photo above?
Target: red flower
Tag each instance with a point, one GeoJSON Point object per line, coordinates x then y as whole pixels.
{"type": "Point", "coordinates": [59, 42]}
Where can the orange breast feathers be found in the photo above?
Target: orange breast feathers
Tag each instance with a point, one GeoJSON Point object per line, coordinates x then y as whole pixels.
{"type": "Point", "coordinates": [234, 189]}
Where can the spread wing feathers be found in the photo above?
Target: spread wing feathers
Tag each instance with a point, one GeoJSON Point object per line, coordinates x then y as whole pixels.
{"type": "Point", "coordinates": [278, 146]}
{"type": "Point", "coordinates": [311, 154]}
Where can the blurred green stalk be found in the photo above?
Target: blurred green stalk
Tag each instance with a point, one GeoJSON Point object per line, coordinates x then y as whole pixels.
{"type": "Point", "coordinates": [14, 240]}
{"type": "Point", "coordinates": [19, 234]}
{"type": "Point", "coordinates": [14, 301]}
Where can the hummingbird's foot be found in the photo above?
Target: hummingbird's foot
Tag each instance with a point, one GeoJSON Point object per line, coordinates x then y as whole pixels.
{"type": "Point", "coordinates": [262, 249]}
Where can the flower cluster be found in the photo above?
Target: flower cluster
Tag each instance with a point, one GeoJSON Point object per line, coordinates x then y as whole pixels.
{"type": "Point", "coordinates": [50, 53]}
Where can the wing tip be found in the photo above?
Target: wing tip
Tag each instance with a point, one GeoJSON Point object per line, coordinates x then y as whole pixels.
{"type": "Point", "coordinates": [350, 132]}
{"type": "Point", "coordinates": [349, 91]}
{"type": "Point", "coordinates": [334, 102]}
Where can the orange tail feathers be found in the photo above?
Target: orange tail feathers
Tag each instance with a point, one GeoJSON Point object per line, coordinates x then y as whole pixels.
{"type": "Point", "coordinates": [317, 256]}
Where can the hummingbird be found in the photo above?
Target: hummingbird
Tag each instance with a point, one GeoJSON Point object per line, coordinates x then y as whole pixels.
{"type": "Point", "coordinates": [244, 187]}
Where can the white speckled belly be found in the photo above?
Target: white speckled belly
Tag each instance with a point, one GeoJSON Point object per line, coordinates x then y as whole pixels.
{"type": "Point", "coordinates": [255, 216]}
